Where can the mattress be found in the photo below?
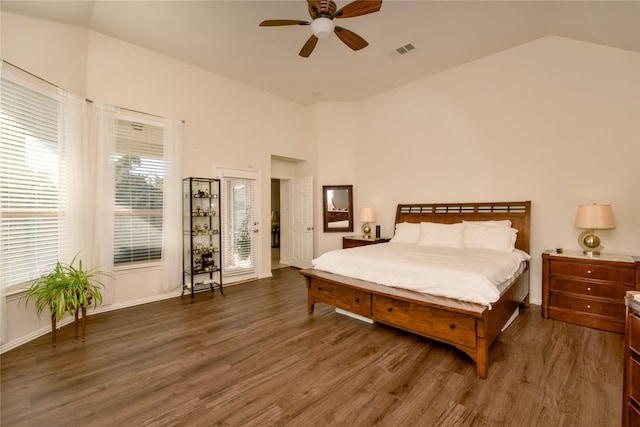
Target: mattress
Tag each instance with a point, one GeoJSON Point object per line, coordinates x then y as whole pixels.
{"type": "Point", "coordinates": [472, 275]}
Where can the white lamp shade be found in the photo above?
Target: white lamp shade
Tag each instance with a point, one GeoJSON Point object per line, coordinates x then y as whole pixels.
{"type": "Point", "coordinates": [367, 215]}
{"type": "Point", "coordinates": [594, 216]}
{"type": "Point", "coordinates": [322, 27]}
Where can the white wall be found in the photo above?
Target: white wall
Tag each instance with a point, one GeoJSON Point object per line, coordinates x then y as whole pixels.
{"type": "Point", "coordinates": [227, 123]}
{"type": "Point", "coordinates": [336, 156]}
{"type": "Point", "coordinates": [554, 121]}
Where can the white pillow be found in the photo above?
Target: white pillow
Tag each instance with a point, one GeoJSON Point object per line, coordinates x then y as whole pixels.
{"type": "Point", "coordinates": [491, 223]}
{"type": "Point", "coordinates": [501, 239]}
{"type": "Point", "coordinates": [441, 235]}
{"type": "Point", "coordinates": [406, 232]}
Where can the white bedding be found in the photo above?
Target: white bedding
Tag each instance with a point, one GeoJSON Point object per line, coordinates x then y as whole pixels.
{"type": "Point", "coordinates": [472, 275]}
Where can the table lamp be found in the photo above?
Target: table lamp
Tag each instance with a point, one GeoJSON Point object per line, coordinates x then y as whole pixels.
{"type": "Point", "coordinates": [593, 217]}
{"type": "Point", "coordinates": [366, 216]}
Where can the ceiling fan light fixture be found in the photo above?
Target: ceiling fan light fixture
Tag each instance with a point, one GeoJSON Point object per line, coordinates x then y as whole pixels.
{"type": "Point", "coordinates": [322, 27]}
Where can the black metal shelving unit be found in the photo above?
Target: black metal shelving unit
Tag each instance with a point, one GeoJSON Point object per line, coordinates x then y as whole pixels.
{"type": "Point", "coordinates": [202, 248]}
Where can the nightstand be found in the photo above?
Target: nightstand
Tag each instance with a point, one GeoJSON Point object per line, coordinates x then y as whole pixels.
{"type": "Point", "coordinates": [355, 241]}
{"type": "Point", "coordinates": [588, 290]}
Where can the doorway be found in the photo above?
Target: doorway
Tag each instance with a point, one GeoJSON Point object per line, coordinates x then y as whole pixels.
{"type": "Point", "coordinates": [276, 225]}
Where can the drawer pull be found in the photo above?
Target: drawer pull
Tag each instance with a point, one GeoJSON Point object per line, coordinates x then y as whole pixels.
{"type": "Point", "coordinates": [589, 288]}
{"type": "Point", "coordinates": [589, 271]}
{"type": "Point", "coordinates": [319, 289]}
{"type": "Point", "coordinates": [357, 299]}
{"type": "Point", "coordinates": [588, 305]}
{"type": "Point", "coordinates": [389, 309]}
{"type": "Point", "coordinates": [452, 326]}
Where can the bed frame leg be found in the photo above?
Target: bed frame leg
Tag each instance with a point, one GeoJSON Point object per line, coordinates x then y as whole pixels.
{"type": "Point", "coordinates": [482, 354]}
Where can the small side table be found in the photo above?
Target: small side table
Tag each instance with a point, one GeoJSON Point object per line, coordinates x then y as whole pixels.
{"type": "Point", "coordinates": [355, 241]}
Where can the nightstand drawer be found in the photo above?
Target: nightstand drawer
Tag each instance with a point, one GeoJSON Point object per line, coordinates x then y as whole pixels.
{"type": "Point", "coordinates": [634, 393]}
{"type": "Point", "coordinates": [634, 332]}
{"type": "Point", "coordinates": [612, 290]}
{"type": "Point", "coordinates": [588, 306]}
{"type": "Point", "coordinates": [593, 271]}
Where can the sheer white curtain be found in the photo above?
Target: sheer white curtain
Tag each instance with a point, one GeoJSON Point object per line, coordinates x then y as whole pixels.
{"type": "Point", "coordinates": [102, 144]}
{"type": "Point", "coordinates": [75, 220]}
{"type": "Point", "coordinates": [172, 207]}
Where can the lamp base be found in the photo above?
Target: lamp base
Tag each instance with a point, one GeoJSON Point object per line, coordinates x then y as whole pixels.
{"type": "Point", "coordinates": [366, 230]}
{"type": "Point", "coordinates": [590, 243]}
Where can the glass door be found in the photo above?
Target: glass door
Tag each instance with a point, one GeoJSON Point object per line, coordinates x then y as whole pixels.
{"type": "Point", "coordinates": [240, 228]}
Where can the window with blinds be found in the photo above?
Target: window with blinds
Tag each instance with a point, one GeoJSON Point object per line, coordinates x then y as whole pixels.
{"type": "Point", "coordinates": [139, 174]}
{"type": "Point", "coordinates": [31, 180]}
{"type": "Point", "coordinates": [238, 239]}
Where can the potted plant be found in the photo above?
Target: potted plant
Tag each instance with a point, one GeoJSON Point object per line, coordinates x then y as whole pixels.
{"type": "Point", "coordinates": [67, 288]}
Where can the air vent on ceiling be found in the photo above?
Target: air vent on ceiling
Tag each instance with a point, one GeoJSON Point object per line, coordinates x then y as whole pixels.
{"type": "Point", "coordinates": [402, 50]}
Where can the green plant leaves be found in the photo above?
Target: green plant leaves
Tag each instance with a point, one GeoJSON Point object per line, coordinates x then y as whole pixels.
{"type": "Point", "coordinates": [67, 289]}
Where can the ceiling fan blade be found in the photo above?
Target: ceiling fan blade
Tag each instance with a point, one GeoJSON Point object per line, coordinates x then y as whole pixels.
{"type": "Point", "coordinates": [309, 46]}
{"type": "Point", "coordinates": [358, 8]}
{"type": "Point", "coordinates": [279, 22]}
{"type": "Point", "coordinates": [350, 38]}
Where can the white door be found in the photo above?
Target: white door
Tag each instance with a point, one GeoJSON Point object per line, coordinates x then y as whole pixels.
{"type": "Point", "coordinates": [301, 208]}
{"type": "Point", "coordinates": [239, 206]}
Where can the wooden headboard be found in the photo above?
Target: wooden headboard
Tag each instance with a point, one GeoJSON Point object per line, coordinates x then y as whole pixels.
{"type": "Point", "coordinates": [519, 213]}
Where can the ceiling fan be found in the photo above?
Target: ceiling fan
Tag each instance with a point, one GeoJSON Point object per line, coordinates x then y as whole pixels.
{"type": "Point", "coordinates": [323, 12]}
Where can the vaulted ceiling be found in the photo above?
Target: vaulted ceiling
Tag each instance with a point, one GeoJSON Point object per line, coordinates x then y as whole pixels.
{"type": "Point", "coordinates": [225, 38]}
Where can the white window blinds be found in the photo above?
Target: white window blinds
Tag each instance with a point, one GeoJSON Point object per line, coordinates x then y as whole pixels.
{"type": "Point", "coordinates": [139, 175]}
{"type": "Point", "coordinates": [31, 180]}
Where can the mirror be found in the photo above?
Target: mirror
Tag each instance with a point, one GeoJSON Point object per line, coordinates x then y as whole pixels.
{"type": "Point", "coordinates": [337, 204]}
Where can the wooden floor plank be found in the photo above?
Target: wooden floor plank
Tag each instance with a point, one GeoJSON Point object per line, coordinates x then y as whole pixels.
{"type": "Point", "coordinates": [256, 358]}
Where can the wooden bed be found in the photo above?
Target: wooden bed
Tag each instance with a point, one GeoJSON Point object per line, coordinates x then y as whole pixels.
{"type": "Point", "coordinates": [471, 328]}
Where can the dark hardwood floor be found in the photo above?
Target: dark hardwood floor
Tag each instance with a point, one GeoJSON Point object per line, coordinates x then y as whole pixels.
{"type": "Point", "coordinates": [256, 358]}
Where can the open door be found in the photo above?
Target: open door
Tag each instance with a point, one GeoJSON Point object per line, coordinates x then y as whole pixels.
{"type": "Point", "coordinates": [301, 214]}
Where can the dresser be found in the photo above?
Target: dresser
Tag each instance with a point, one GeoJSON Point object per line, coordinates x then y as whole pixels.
{"type": "Point", "coordinates": [631, 384]}
{"type": "Point", "coordinates": [588, 291]}
{"type": "Point", "coordinates": [355, 241]}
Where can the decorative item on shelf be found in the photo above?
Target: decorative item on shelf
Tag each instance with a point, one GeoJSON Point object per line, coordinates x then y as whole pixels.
{"type": "Point", "coordinates": [593, 217]}
{"type": "Point", "coordinates": [208, 262]}
{"type": "Point", "coordinates": [202, 193]}
{"type": "Point", "coordinates": [366, 216]}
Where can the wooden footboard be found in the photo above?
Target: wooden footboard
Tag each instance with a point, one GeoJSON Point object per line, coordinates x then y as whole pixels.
{"type": "Point", "coordinates": [471, 328]}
